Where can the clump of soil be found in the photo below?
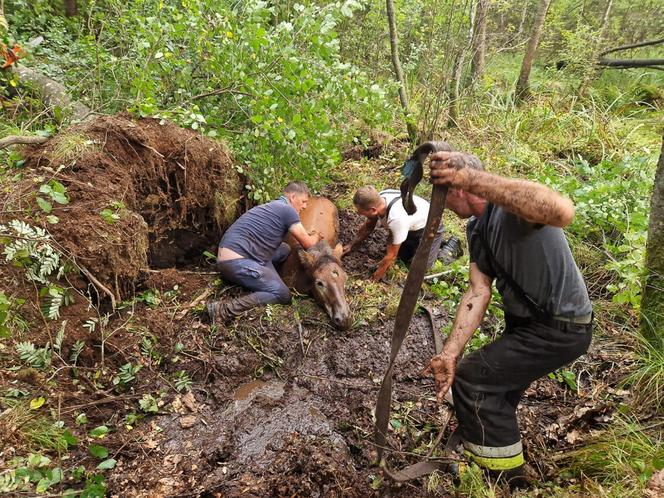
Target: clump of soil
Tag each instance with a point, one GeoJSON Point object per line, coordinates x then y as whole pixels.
{"type": "Point", "coordinates": [142, 193]}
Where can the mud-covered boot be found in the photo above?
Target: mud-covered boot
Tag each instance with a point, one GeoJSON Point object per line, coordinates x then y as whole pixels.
{"type": "Point", "coordinates": [450, 250]}
{"type": "Point", "coordinates": [222, 313]}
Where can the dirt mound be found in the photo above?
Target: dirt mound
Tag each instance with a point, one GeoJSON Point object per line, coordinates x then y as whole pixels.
{"type": "Point", "coordinates": [142, 193]}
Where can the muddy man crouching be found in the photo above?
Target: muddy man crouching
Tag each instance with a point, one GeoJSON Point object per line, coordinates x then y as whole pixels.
{"type": "Point", "coordinates": [252, 246]}
{"type": "Point", "coordinates": [515, 237]}
{"type": "Point", "coordinates": [405, 230]}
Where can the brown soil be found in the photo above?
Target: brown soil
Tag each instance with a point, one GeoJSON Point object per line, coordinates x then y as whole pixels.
{"type": "Point", "coordinates": [173, 190]}
{"type": "Point", "coordinates": [280, 404]}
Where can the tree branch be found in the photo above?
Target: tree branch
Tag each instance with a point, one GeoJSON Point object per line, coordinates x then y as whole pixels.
{"type": "Point", "coordinates": [220, 91]}
{"type": "Point", "coordinates": [16, 139]}
{"type": "Point", "coordinates": [635, 45]}
{"type": "Point", "coordinates": [627, 63]}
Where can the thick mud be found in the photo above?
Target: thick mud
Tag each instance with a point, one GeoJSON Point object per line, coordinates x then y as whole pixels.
{"type": "Point", "coordinates": [280, 403]}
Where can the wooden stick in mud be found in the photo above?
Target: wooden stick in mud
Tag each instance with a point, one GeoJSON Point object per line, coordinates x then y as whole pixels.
{"type": "Point", "coordinates": [207, 293]}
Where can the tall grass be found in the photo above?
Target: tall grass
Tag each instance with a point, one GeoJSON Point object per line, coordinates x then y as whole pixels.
{"type": "Point", "coordinates": [621, 459]}
{"type": "Point", "coordinates": [647, 381]}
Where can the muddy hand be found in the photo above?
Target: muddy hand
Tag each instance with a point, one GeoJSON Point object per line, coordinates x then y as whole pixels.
{"type": "Point", "coordinates": [452, 168]}
{"type": "Point", "coordinates": [442, 367]}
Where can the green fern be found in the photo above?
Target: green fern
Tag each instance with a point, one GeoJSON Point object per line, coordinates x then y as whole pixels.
{"type": "Point", "coordinates": [33, 356]}
{"type": "Point", "coordinates": [9, 482]}
{"type": "Point", "coordinates": [76, 351]}
{"type": "Point", "coordinates": [57, 344]}
{"type": "Point", "coordinates": [30, 247]}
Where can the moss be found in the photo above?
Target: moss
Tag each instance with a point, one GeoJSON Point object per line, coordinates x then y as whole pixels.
{"type": "Point", "coordinates": [68, 147]}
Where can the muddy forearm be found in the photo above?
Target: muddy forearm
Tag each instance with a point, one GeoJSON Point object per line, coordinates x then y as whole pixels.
{"type": "Point", "coordinates": [364, 231]}
{"type": "Point", "coordinates": [387, 261]}
{"type": "Point", "coordinates": [529, 200]}
{"type": "Point", "coordinates": [385, 264]}
{"type": "Point", "coordinates": [469, 314]}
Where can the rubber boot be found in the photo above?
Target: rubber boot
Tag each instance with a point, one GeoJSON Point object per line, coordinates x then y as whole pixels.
{"type": "Point", "coordinates": [224, 312]}
{"type": "Point", "coordinates": [450, 250]}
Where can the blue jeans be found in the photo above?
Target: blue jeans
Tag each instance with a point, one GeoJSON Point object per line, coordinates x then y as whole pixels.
{"type": "Point", "coordinates": [264, 281]}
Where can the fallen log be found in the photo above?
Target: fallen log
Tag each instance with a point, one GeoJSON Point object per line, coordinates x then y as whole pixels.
{"type": "Point", "coordinates": [17, 139]}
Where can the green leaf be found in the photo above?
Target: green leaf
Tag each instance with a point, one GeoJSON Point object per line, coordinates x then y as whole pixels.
{"type": "Point", "coordinates": [658, 463]}
{"type": "Point", "coordinates": [98, 451]}
{"type": "Point", "coordinates": [58, 187]}
{"type": "Point", "coordinates": [44, 205]}
{"type": "Point", "coordinates": [36, 403]}
{"type": "Point", "coordinates": [70, 438]}
{"type": "Point", "coordinates": [52, 219]}
{"type": "Point", "coordinates": [107, 464]}
{"type": "Point", "coordinates": [395, 423]}
{"type": "Point", "coordinates": [59, 198]}
{"type": "Point", "coordinates": [81, 419]}
{"type": "Point", "coordinates": [43, 485]}
{"type": "Point", "coordinates": [99, 432]}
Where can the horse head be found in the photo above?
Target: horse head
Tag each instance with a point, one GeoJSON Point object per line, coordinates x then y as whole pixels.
{"type": "Point", "coordinates": [323, 264]}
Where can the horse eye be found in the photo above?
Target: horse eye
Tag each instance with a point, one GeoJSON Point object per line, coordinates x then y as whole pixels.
{"type": "Point", "coordinates": [335, 274]}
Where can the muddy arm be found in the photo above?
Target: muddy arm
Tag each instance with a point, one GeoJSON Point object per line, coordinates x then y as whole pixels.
{"type": "Point", "coordinates": [468, 317]}
{"type": "Point", "coordinates": [364, 231]}
{"type": "Point", "coordinates": [531, 201]}
{"type": "Point", "coordinates": [386, 262]}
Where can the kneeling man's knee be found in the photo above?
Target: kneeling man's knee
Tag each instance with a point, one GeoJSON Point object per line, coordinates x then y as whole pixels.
{"type": "Point", "coordinates": [283, 295]}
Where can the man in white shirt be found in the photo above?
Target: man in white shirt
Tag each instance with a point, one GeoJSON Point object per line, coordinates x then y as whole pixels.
{"type": "Point", "coordinates": [406, 230]}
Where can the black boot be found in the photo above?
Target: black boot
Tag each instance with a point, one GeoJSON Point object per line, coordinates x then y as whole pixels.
{"type": "Point", "coordinates": [224, 312]}
{"type": "Point", "coordinates": [450, 250]}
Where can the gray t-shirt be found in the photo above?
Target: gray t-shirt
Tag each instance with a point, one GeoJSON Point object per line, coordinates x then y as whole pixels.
{"type": "Point", "coordinates": [538, 259]}
{"type": "Point", "coordinates": [258, 233]}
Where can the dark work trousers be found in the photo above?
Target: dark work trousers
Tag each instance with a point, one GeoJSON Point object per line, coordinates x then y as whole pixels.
{"type": "Point", "coordinates": [490, 382]}
{"type": "Point", "coordinates": [409, 246]}
{"type": "Point", "coordinates": [264, 281]}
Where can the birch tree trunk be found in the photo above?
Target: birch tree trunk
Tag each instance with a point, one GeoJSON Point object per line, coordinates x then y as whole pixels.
{"type": "Point", "coordinates": [398, 73]}
{"type": "Point", "coordinates": [591, 73]}
{"type": "Point", "coordinates": [522, 23]}
{"type": "Point", "coordinates": [523, 85]}
{"type": "Point", "coordinates": [652, 304]}
{"type": "Point", "coordinates": [479, 40]}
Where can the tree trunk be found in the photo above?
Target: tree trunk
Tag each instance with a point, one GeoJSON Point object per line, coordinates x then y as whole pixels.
{"type": "Point", "coordinates": [53, 93]}
{"type": "Point", "coordinates": [396, 63]}
{"type": "Point", "coordinates": [479, 40]}
{"type": "Point", "coordinates": [522, 85]}
{"type": "Point", "coordinates": [71, 8]}
{"type": "Point", "coordinates": [522, 23]}
{"type": "Point", "coordinates": [591, 74]}
{"type": "Point", "coordinates": [457, 70]}
{"type": "Point", "coordinates": [652, 304]}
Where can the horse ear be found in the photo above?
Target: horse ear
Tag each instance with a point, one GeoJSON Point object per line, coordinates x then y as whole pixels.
{"type": "Point", "coordinates": [307, 259]}
{"type": "Point", "coordinates": [338, 251]}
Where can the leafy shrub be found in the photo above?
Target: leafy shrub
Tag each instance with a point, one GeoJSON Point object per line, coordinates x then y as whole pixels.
{"type": "Point", "coordinates": [270, 82]}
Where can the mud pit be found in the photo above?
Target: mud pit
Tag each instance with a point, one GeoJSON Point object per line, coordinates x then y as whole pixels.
{"type": "Point", "coordinates": [281, 403]}
{"type": "Point", "coordinates": [279, 410]}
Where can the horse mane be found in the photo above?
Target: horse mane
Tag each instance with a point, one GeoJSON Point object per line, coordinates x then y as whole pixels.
{"type": "Point", "coordinates": [323, 253]}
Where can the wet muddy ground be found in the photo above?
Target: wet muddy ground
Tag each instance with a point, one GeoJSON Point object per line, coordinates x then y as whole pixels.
{"type": "Point", "coordinates": [281, 403]}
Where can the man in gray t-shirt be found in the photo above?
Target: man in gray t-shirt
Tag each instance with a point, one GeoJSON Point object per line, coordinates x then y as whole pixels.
{"type": "Point", "coordinates": [515, 237]}
{"type": "Point", "coordinates": [252, 246]}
